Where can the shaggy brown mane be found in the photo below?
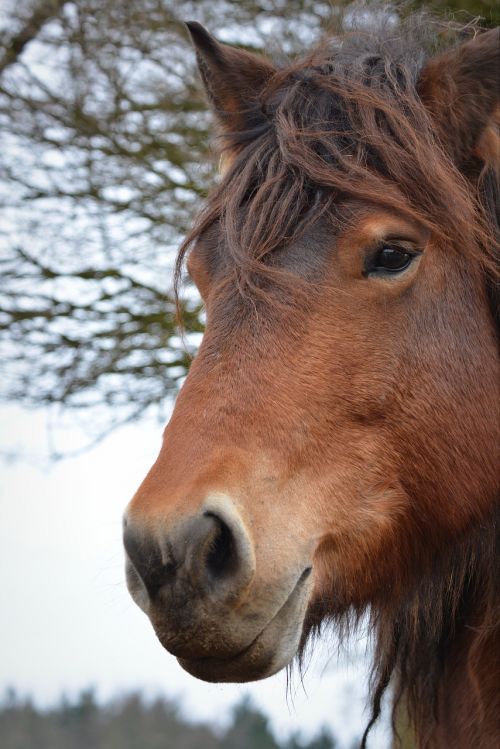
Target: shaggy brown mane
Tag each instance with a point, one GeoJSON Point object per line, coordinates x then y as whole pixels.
{"type": "Point", "coordinates": [347, 122]}
{"type": "Point", "coordinates": [413, 633]}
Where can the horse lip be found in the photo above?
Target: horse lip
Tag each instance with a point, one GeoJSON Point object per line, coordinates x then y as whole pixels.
{"type": "Point", "coordinates": [197, 666]}
{"type": "Point", "coordinates": [305, 574]}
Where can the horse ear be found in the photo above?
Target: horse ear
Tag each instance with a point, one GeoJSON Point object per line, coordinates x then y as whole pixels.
{"type": "Point", "coordinates": [233, 80]}
{"type": "Point", "coordinates": [461, 89]}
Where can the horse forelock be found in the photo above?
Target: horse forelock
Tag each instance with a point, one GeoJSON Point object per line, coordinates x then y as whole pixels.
{"type": "Point", "coordinates": [344, 123]}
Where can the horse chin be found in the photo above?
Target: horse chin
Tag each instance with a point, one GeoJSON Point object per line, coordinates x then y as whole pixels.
{"type": "Point", "coordinates": [252, 664]}
{"type": "Point", "coordinates": [269, 652]}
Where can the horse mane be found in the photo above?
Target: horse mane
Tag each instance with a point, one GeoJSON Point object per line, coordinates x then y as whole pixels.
{"type": "Point", "coordinates": [347, 122]}
{"type": "Point", "coordinates": [489, 195]}
{"type": "Point", "coordinates": [455, 589]}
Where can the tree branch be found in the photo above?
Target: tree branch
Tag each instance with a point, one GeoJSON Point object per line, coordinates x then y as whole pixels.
{"type": "Point", "coordinates": [43, 11]}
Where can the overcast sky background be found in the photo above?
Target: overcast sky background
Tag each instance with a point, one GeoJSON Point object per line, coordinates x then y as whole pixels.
{"type": "Point", "coordinates": [67, 621]}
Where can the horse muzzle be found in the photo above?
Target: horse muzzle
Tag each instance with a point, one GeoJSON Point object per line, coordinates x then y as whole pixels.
{"type": "Point", "coordinates": [198, 581]}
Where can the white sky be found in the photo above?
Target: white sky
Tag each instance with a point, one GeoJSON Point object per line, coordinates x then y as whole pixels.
{"type": "Point", "coordinates": [66, 620]}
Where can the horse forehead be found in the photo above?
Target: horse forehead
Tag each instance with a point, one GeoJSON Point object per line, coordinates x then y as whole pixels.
{"type": "Point", "coordinates": [305, 256]}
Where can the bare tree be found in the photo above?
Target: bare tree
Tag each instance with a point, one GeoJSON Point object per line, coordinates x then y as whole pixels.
{"type": "Point", "coordinates": [38, 15]}
{"type": "Point", "coordinates": [104, 142]}
{"type": "Point", "coordinates": [104, 157]}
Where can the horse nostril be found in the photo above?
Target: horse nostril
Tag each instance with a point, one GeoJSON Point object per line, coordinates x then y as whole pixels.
{"type": "Point", "coordinates": [209, 554]}
{"type": "Point", "coordinates": [146, 558]}
{"type": "Point", "coordinates": [222, 556]}
{"type": "Point", "coordinates": [223, 560]}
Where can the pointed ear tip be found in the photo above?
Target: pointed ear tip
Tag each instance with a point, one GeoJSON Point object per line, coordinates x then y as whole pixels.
{"type": "Point", "coordinates": [194, 26]}
{"type": "Point", "coordinates": [199, 35]}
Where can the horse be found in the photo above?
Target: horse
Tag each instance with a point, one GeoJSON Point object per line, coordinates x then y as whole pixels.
{"type": "Point", "coordinates": [332, 457]}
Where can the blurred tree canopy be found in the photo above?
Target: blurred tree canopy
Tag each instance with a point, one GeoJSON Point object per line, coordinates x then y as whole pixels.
{"type": "Point", "coordinates": [105, 155]}
{"type": "Point", "coordinates": [131, 722]}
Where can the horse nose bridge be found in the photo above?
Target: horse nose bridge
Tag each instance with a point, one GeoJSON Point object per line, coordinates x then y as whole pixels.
{"type": "Point", "coordinates": [219, 401]}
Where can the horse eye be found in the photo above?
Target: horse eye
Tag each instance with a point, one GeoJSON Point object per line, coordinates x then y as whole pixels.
{"type": "Point", "coordinates": [390, 260]}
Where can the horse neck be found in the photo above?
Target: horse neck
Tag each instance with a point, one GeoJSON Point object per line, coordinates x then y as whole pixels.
{"type": "Point", "coordinates": [441, 644]}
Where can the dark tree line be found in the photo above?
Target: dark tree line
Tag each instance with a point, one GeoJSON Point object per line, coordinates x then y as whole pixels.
{"type": "Point", "coordinates": [105, 155]}
{"type": "Point", "coordinates": [131, 722]}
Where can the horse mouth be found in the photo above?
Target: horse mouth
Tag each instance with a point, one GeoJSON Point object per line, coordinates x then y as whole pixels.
{"type": "Point", "coordinates": [270, 651]}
